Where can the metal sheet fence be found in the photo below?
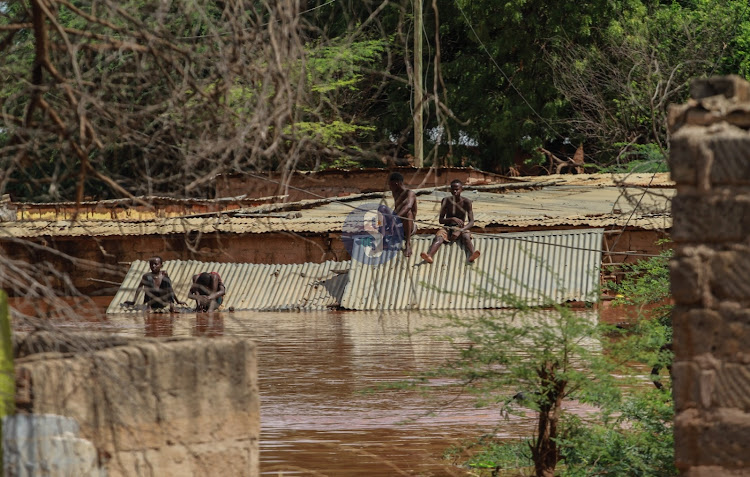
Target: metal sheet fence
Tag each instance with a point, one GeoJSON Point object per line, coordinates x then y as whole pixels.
{"type": "Point", "coordinates": [536, 268]}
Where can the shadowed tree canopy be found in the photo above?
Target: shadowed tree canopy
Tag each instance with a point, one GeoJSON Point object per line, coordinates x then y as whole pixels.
{"type": "Point", "coordinates": [110, 99]}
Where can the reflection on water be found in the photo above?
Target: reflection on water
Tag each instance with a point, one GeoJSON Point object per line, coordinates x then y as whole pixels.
{"type": "Point", "coordinates": [314, 369]}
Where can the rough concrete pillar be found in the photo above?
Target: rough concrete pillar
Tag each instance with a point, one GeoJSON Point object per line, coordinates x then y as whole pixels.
{"type": "Point", "coordinates": [149, 407]}
{"type": "Point", "coordinates": [710, 163]}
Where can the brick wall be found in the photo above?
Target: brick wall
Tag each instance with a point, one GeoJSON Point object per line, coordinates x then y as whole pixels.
{"type": "Point", "coordinates": [710, 163]}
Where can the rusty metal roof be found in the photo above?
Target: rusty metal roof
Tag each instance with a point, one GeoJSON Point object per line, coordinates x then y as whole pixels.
{"type": "Point", "coordinates": [549, 204]}
{"type": "Point", "coordinates": [640, 179]}
{"type": "Point", "coordinates": [537, 268]}
{"type": "Point", "coordinates": [307, 286]}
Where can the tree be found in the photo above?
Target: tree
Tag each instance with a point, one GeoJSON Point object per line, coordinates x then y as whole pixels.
{"type": "Point", "coordinates": [112, 99]}
{"type": "Point", "coordinates": [620, 86]}
{"type": "Point", "coordinates": [544, 359]}
{"type": "Point", "coordinates": [532, 359]}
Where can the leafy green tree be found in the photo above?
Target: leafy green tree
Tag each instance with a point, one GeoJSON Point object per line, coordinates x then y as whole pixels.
{"type": "Point", "coordinates": [621, 85]}
{"type": "Point", "coordinates": [530, 360]}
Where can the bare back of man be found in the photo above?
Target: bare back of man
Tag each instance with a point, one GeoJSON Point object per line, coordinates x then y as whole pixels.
{"type": "Point", "coordinates": [405, 208]}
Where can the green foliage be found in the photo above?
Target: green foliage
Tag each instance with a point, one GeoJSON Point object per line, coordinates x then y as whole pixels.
{"type": "Point", "coordinates": [638, 158]}
{"type": "Point", "coordinates": [496, 455]}
{"type": "Point", "coordinates": [637, 441]}
{"type": "Point", "coordinates": [336, 65]}
{"type": "Point", "coordinates": [509, 351]}
{"type": "Point", "coordinates": [525, 360]}
{"type": "Point", "coordinates": [646, 281]}
{"type": "Point", "coordinates": [634, 437]}
{"type": "Point", "coordinates": [621, 84]}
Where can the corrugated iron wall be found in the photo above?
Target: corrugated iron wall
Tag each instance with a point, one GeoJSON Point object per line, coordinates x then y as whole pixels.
{"type": "Point", "coordinates": [535, 267]}
{"type": "Point", "coordinates": [307, 286]}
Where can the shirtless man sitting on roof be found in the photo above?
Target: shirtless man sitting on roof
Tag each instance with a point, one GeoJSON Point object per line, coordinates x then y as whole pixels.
{"type": "Point", "coordinates": [454, 212]}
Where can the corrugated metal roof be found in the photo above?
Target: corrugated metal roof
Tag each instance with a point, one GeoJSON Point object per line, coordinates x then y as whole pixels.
{"type": "Point", "coordinates": [549, 206]}
{"type": "Point", "coordinates": [535, 267]}
{"type": "Point", "coordinates": [307, 286]}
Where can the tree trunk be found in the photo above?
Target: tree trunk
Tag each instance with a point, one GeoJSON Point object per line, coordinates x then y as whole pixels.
{"type": "Point", "coordinates": [544, 451]}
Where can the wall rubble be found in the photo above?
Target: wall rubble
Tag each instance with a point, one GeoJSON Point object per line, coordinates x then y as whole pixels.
{"type": "Point", "coordinates": [710, 274]}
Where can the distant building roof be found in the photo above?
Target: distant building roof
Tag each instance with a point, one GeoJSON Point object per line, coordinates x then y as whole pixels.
{"type": "Point", "coordinates": [551, 201]}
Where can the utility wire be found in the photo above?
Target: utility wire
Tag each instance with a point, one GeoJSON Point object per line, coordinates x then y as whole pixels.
{"type": "Point", "coordinates": [507, 78]}
{"type": "Point", "coordinates": [252, 28]}
{"type": "Point", "coordinates": [486, 234]}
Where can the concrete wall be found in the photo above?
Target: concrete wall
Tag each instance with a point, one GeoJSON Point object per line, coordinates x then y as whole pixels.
{"type": "Point", "coordinates": [151, 407]}
{"type": "Point", "coordinates": [710, 162]}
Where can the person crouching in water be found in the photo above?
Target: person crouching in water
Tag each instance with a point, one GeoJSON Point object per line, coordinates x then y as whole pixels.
{"type": "Point", "coordinates": [208, 291]}
{"type": "Point", "coordinates": [157, 288]}
{"type": "Point", "coordinates": [457, 217]}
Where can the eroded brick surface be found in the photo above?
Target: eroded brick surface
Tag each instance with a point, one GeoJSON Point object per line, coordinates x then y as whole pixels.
{"type": "Point", "coordinates": [710, 162]}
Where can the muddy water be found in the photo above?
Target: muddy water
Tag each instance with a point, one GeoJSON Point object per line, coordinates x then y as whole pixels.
{"type": "Point", "coordinates": [314, 369]}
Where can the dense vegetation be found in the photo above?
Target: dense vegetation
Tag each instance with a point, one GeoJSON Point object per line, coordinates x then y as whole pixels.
{"type": "Point", "coordinates": [536, 364]}
{"type": "Point", "coordinates": [109, 99]}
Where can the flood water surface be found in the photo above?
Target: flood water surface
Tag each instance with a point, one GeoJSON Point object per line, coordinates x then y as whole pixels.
{"type": "Point", "coordinates": [317, 373]}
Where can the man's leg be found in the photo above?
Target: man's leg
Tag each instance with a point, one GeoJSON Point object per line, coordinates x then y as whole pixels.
{"type": "Point", "coordinates": [436, 243]}
{"type": "Point", "coordinates": [466, 239]}
{"type": "Point", "coordinates": [408, 222]}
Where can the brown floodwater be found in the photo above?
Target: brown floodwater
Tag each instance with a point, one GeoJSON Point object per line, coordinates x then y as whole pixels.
{"type": "Point", "coordinates": [316, 373]}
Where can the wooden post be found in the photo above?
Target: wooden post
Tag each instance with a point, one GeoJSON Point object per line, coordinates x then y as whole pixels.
{"type": "Point", "coordinates": [418, 97]}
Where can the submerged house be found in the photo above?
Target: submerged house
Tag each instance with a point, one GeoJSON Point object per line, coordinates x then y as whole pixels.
{"type": "Point", "coordinates": [97, 243]}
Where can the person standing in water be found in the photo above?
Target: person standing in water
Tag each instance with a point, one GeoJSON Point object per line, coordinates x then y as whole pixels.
{"type": "Point", "coordinates": [157, 288]}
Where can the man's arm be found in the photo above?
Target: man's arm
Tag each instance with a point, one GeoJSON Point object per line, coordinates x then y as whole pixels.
{"type": "Point", "coordinates": [193, 293]}
{"type": "Point", "coordinates": [137, 290]}
{"type": "Point", "coordinates": [448, 220]}
{"type": "Point", "coordinates": [469, 215]}
{"type": "Point", "coordinates": [443, 211]}
{"type": "Point", "coordinates": [218, 286]}
{"type": "Point", "coordinates": [408, 204]}
{"type": "Point", "coordinates": [173, 296]}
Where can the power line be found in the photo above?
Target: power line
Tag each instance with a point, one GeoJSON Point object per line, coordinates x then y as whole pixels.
{"type": "Point", "coordinates": [252, 28]}
{"type": "Point", "coordinates": [487, 234]}
{"type": "Point", "coordinates": [507, 78]}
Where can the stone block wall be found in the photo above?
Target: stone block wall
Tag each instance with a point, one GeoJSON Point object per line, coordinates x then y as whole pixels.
{"type": "Point", "coordinates": [150, 407]}
{"type": "Point", "coordinates": [710, 163]}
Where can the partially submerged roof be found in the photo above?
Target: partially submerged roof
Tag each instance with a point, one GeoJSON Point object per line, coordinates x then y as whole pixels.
{"type": "Point", "coordinates": [551, 201]}
{"type": "Point", "coordinates": [250, 286]}
{"type": "Point", "coordinates": [537, 268]}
